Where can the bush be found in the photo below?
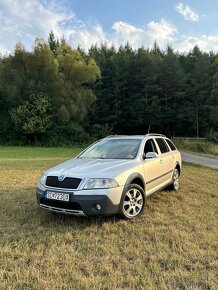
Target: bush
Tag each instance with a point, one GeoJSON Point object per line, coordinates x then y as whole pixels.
{"type": "Point", "coordinates": [212, 137]}
{"type": "Point", "coordinates": [65, 135]}
{"type": "Point", "coordinates": [201, 146]}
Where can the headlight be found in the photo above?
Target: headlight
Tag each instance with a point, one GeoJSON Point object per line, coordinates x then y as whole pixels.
{"type": "Point", "coordinates": [42, 179]}
{"type": "Point", "coordinates": [100, 183]}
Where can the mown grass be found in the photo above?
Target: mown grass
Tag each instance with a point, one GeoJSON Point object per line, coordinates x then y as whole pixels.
{"type": "Point", "coordinates": [172, 246]}
{"type": "Point", "coordinates": [199, 146]}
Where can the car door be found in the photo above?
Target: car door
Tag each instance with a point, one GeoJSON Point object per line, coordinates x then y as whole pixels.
{"type": "Point", "coordinates": [167, 158]}
{"type": "Point", "coordinates": [153, 168]}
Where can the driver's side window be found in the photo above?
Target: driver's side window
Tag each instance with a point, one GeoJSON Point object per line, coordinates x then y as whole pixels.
{"type": "Point", "coordinates": [150, 146]}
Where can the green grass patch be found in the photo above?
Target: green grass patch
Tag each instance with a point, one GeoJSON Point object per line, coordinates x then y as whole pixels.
{"type": "Point", "coordinates": [173, 245]}
{"type": "Point", "coordinates": [38, 152]}
{"type": "Point", "coordinates": [198, 146]}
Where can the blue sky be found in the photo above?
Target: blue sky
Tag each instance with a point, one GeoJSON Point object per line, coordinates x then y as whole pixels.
{"type": "Point", "coordinates": [183, 24]}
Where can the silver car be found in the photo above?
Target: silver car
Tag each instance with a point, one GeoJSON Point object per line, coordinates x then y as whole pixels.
{"type": "Point", "coordinates": [112, 176]}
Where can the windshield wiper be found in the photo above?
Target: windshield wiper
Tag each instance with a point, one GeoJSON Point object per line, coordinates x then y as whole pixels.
{"type": "Point", "coordinates": [92, 158]}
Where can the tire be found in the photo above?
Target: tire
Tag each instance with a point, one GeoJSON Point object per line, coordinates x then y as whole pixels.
{"type": "Point", "coordinates": [175, 180]}
{"type": "Point", "coordinates": [133, 202]}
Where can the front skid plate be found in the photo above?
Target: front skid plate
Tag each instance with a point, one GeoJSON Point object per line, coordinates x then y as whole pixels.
{"type": "Point", "coordinates": [63, 210]}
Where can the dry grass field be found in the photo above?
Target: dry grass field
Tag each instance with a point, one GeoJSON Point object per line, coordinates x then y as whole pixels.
{"type": "Point", "coordinates": [173, 245]}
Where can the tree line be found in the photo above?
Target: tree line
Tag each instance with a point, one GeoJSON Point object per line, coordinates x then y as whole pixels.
{"type": "Point", "coordinates": [56, 95]}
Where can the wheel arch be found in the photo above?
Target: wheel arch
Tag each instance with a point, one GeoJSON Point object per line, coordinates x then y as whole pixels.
{"type": "Point", "coordinates": [135, 178]}
{"type": "Point", "coordinates": [178, 167]}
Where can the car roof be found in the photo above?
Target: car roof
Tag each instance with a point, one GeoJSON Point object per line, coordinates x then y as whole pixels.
{"type": "Point", "coordinates": [134, 136]}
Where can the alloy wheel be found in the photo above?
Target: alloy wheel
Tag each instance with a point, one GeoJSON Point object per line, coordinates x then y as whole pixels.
{"type": "Point", "coordinates": [176, 180]}
{"type": "Point", "coordinates": [133, 202]}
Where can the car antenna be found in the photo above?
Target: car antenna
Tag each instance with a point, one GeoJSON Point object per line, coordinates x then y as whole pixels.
{"type": "Point", "coordinates": [149, 129]}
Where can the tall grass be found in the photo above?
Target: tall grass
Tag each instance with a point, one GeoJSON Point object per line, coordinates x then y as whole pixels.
{"type": "Point", "coordinates": [199, 146]}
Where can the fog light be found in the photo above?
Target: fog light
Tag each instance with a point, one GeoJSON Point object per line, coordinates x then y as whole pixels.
{"type": "Point", "coordinates": [98, 206]}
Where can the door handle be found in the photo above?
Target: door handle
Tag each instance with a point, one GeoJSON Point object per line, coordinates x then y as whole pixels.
{"type": "Point", "coordinates": [173, 156]}
{"type": "Point", "coordinates": [161, 161]}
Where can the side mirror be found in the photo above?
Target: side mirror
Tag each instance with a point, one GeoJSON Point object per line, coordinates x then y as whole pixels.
{"type": "Point", "coordinates": [150, 155]}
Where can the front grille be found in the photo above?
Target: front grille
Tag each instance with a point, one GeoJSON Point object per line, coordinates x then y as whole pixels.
{"type": "Point", "coordinates": [60, 204]}
{"type": "Point", "coordinates": [68, 182]}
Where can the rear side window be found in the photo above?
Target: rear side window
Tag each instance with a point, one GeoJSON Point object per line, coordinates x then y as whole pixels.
{"type": "Point", "coordinates": [170, 143]}
{"type": "Point", "coordinates": [162, 145]}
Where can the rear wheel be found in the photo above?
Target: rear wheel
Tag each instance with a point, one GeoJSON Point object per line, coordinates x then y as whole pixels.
{"type": "Point", "coordinates": [133, 202]}
{"type": "Point", "coordinates": [175, 182]}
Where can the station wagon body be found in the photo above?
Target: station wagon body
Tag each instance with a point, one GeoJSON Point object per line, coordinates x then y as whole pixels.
{"type": "Point", "coordinates": [112, 176]}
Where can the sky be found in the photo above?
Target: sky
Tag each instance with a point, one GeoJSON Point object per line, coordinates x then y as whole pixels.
{"type": "Point", "coordinates": [181, 24]}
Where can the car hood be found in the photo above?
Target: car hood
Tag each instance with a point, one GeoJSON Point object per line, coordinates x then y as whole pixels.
{"type": "Point", "coordinates": [87, 168]}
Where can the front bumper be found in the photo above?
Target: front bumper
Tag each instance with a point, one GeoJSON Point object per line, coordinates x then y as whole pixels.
{"type": "Point", "coordinates": [83, 202]}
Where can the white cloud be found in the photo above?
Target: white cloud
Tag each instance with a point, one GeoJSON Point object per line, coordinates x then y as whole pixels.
{"type": "Point", "coordinates": [124, 32]}
{"type": "Point", "coordinates": [23, 20]}
{"type": "Point", "coordinates": [205, 42]}
{"type": "Point", "coordinates": [187, 12]}
{"type": "Point", "coordinates": [162, 32]}
{"type": "Point", "coordinates": [85, 35]}
{"type": "Point", "coordinates": [3, 50]}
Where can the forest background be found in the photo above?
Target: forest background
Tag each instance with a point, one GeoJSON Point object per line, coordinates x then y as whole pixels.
{"type": "Point", "coordinates": [56, 95]}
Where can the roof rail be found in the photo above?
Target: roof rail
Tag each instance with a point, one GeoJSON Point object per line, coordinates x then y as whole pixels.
{"type": "Point", "coordinates": [114, 136]}
{"type": "Point", "coordinates": [155, 134]}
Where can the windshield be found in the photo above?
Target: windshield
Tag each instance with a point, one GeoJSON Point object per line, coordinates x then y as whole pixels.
{"type": "Point", "coordinates": [113, 149]}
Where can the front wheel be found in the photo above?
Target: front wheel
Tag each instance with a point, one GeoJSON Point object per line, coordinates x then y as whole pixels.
{"type": "Point", "coordinates": [133, 202]}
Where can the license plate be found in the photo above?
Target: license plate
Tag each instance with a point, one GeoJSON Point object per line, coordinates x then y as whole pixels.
{"type": "Point", "coordinates": [57, 196]}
